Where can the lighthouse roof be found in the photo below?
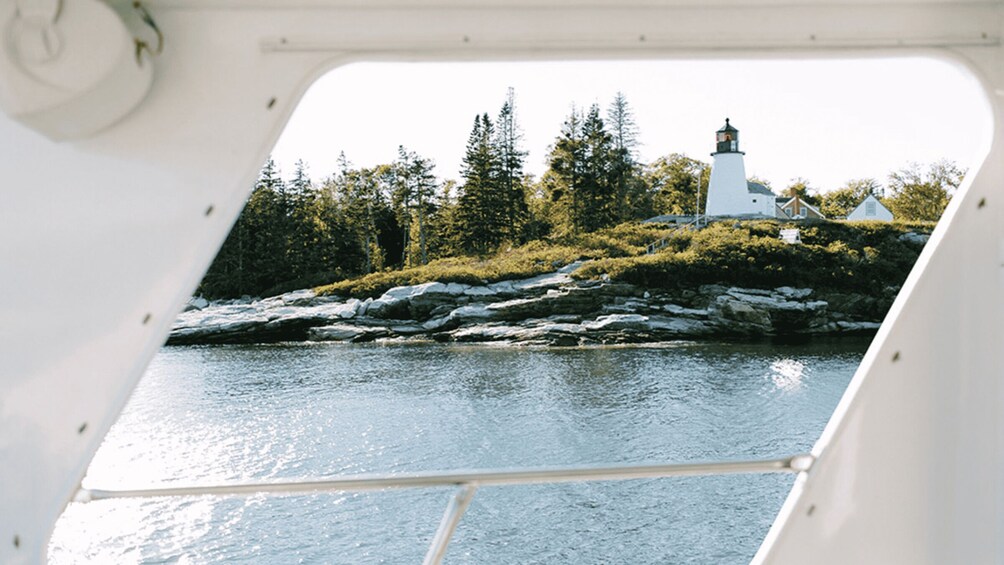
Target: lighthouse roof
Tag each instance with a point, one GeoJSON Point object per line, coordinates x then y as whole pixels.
{"type": "Point", "coordinates": [727, 127]}
{"type": "Point", "coordinates": [757, 188]}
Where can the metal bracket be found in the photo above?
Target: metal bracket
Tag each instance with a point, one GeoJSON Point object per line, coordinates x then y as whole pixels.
{"type": "Point", "coordinates": [454, 512]}
{"type": "Point", "coordinates": [142, 45]}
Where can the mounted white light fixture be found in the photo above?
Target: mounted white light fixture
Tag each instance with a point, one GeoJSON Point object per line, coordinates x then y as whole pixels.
{"type": "Point", "coordinates": [69, 68]}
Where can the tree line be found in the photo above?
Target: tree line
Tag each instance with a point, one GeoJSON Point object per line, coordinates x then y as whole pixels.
{"type": "Point", "coordinates": [297, 233]}
{"type": "Point", "coordinates": [912, 193]}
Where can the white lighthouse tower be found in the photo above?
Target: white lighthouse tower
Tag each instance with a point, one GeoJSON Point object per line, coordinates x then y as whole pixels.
{"type": "Point", "coordinates": [728, 193]}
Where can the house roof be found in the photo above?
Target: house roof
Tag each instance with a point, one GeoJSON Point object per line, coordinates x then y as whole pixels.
{"type": "Point", "coordinates": [870, 197]}
{"type": "Point", "coordinates": [757, 188]}
{"type": "Point", "coordinates": [727, 127]}
{"type": "Point", "coordinates": [803, 203]}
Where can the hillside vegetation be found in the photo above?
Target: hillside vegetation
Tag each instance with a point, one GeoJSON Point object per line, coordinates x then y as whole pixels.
{"type": "Point", "coordinates": [860, 257]}
{"type": "Point", "coordinates": [534, 258]}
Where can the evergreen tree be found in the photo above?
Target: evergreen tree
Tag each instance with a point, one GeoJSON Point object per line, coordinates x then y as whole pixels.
{"type": "Point", "coordinates": [226, 275]}
{"type": "Point", "coordinates": [481, 214]}
{"type": "Point", "coordinates": [510, 168]}
{"type": "Point", "coordinates": [566, 174]}
{"type": "Point", "coordinates": [415, 194]}
{"type": "Point", "coordinates": [300, 186]}
{"type": "Point", "coordinates": [253, 257]}
{"type": "Point", "coordinates": [389, 230]}
{"type": "Point", "coordinates": [598, 195]}
{"type": "Point", "coordinates": [362, 199]}
{"type": "Point", "coordinates": [583, 168]}
{"type": "Point", "coordinates": [633, 196]}
{"type": "Point", "coordinates": [623, 128]}
{"type": "Point", "coordinates": [267, 231]}
{"type": "Point", "coordinates": [305, 256]}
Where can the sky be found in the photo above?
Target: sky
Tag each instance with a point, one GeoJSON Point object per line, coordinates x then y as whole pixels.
{"type": "Point", "coordinates": [826, 121]}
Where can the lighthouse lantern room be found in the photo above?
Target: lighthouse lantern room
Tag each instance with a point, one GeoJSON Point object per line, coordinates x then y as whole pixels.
{"type": "Point", "coordinates": [728, 139]}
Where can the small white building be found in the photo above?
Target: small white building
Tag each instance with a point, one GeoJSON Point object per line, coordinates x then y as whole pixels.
{"type": "Point", "coordinates": [870, 209]}
{"type": "Point", "coordinates": [729, 194]}
{"type": "Point", "coordinates": [761, 199]}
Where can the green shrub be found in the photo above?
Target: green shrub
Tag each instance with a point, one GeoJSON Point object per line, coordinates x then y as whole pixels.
{"type": "Point", "coordinates": [534, 258]}
{"type": "Point", "coordinates": [841, 256]}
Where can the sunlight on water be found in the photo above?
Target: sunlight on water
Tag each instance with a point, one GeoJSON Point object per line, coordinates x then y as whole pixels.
{"type": "Point", "coordinates": [787, 374]}
{"type": "Point", "coordinates": [252, 413]}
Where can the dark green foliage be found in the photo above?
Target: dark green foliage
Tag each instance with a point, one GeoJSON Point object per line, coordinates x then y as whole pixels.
{"type": "Point", "coordinates": [593, 179]}
{"type": "Point", "coordinates": [859, 257]}
{"type": "Point", "coordinates": [415, 195]}
{"type": "Point", "coordinates": [491, 208]}
{"type": "Point", "coordinates": [287, 237]}
{"type": "Point", "coordinates": [481, 220]}
{"type": "Point", "coordinates": [583, 167]}
{"type": "Point", "coordinates": [254, 256]}
{"type": "Point", "coordinates": [506, 145]}
{"type": "Point", "coordinates": [365, 208]}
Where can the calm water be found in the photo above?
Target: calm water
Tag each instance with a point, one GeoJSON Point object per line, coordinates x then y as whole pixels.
{"type": "Point", "coordinates": [238, 413]}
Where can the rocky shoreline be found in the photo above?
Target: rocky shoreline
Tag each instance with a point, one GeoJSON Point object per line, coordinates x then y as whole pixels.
{"type": "Point", "coordinates": [551, 309]}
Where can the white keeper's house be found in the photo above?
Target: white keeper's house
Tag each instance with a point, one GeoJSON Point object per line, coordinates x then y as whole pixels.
{"type": "Point", "coordinates": [729, 193]}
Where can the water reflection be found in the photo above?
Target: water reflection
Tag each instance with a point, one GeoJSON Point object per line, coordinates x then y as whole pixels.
{"type": "Point", "coordinates": [787, 374]}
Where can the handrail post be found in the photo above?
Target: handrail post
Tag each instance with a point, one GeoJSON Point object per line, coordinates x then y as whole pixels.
{"type": "Point", "coordinates": [454, 512]}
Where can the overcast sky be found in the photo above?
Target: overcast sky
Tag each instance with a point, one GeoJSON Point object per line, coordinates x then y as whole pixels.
{"type": "Point", "coordinates": [828, 121]}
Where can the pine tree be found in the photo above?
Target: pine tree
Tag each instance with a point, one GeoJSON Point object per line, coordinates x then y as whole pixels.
{"type": "Point", "coordinates": [415, 193]}
{"type": "Point", "coordinates": [566, 174]}
{"type": "Point", "coordinates": [582, 172]}
{"type": "Point", "coordinates": [599, 203]}
{"type": "Point", "coordinates": [623, 128]}
{"type": "Point", "coordinates": [266, 261]}
{"type": "Point", "coordinates": [481, 215]}
{"type": "Point", "coordinates": [305, 254]}
{"type": "Point", "coordinates": [633, 198]}
{"type": "Point", "coordinates": [361, 197]}
{"type": "Point", "coordinates": [510, 168]}
{"type": "Point", "coordinates": [253, 258]}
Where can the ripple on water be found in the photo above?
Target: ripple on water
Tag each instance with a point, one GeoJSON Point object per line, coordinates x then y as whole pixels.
{"type": "Point", "coordinates": [209, 414]}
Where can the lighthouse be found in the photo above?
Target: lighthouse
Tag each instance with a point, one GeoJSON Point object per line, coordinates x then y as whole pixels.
{"type": "Point", "coordinates": [729, 194]}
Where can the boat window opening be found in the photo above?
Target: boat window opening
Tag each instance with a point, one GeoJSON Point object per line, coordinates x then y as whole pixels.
{"type": "Point", "coordinates": [359, 215]}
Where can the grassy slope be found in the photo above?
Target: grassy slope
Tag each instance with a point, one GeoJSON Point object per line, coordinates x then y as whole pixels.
{"type": "Point", "coordinates": [854, 257]}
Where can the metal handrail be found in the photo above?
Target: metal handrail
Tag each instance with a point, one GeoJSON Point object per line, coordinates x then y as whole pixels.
{"type": "Point", "coordinates": [651, 248]}
{"type": "Point", "coordinates": [469, 481]}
